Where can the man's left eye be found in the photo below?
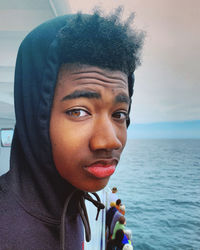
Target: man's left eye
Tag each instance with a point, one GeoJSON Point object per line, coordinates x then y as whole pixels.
{"type": "Point", "coordinates": [77, 113]}
{"type": "Point", "coordinates": [120, 115]}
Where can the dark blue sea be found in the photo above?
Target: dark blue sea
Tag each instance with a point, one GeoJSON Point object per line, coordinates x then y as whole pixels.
{"type": "Point", "coordinates": [159, 183]}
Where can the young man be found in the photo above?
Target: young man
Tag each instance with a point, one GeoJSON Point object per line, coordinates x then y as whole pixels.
{"type": "Point", "coordinates": [73, 88]}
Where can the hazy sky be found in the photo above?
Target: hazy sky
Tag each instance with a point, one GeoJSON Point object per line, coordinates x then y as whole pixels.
{"type": "Point", "coordinates": [167, 84]}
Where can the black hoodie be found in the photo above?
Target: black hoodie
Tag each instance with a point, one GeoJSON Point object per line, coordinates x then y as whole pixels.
{"type": "Point", "coordinates": [33, 196]}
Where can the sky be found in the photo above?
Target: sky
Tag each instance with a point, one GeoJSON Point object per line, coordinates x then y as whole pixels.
{"type": "Point", "coordinates": [167, 86]}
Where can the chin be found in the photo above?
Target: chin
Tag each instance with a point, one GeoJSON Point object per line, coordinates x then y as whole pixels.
{"type": "Point", "coordinates": [96, 186]}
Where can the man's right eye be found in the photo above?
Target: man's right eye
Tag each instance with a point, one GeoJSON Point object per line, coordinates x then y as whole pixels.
{"type": "Point", "coordinates": [76, 113]}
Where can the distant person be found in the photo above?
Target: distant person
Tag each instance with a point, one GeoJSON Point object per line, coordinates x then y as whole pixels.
{"type": "Point", "coordinates": [116, 244]}
{"type": "Point", "coordinates": [113, 196]}
{"type": "Point", "coordinates": [120, 224]}
{"type": "Point", "coordinates": [128, 234]}
{"type": "Point", "coordinates": [118, 203]}
{"type": "Point", "coordinates": [109, 216]}
{"type": "Point", "coordinates": [116, 217]}
{"type": "Point", "coordinates": [125, 239]}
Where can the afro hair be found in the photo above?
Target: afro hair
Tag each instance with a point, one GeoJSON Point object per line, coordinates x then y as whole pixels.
{"type": "Point", "coordinates": [105, 42]}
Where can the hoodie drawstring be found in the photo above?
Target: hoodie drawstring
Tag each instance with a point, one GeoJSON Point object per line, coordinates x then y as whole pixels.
{"type": "Point", "coordinates": [62, 229]}
{"type": "Point", "coordinates": [83, 213]}
{"type": "Point", "coordinates": [97, 203]}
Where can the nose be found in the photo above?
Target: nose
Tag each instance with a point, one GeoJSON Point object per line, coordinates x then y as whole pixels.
{"type": "Point", "coordinates": [104, 136]}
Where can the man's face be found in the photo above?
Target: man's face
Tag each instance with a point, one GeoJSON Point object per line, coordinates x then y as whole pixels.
{"type": "Point", "coordinates": [88, 125]}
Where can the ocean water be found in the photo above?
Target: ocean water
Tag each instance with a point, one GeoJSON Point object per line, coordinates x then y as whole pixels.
{"type": "Point", "coordinates": [159, 183]}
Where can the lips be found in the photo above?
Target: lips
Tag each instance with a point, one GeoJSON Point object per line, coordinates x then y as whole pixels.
{"type": "Point", "coordinates": [102, 169]}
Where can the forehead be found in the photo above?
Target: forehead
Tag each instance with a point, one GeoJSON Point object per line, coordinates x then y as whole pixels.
{"type": "Point", "coordinates": [77, 75]}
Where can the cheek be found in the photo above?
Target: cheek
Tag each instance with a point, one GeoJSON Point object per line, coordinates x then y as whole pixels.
{"type": "Point", "coordinates": [67, 160]}
{"type": "Point", "coordinates": [69, 146]}
{"type": "Point", "coordinates": [65, 135]}
{"type": "Point", "coordinates": [66, 146]}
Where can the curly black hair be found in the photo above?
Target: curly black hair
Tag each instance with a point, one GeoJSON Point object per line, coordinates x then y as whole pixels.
{"type": "Point", "coordinates": [102, 41]}
{"type": "Point", "coordinates": [106, 42]}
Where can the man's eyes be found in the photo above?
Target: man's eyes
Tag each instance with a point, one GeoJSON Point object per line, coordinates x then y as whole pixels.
{"type": "Point", "coordinates": [120, 116]}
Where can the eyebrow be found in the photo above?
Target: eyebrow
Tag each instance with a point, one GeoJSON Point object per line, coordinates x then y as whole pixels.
{"type": "Point", "coordinates": [120, 98]}
{"type": "Point", "coordinates": [80, 94]}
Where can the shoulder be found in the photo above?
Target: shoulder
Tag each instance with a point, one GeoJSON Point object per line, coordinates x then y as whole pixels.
{"type": "Point", "coordinates": [19, 229]}
{"type": "Point", "coordinates": [117, 225]}
{"type": "Point", "coordinates": [9, 210]}
{"type": "Point", "coordinates": [9, 218]}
